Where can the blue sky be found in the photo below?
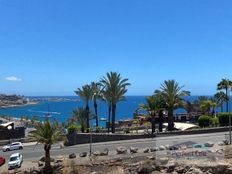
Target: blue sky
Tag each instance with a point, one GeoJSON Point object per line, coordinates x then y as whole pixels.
{"type": "Point", "coordinates": [52, 47]}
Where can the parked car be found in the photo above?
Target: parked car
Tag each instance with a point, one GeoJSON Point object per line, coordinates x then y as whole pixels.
{"type": "Point", "coordinates": [15, 160]}
{"type": "Point", "coordinates": [12, 146]}
{"type": "Point", "coordinates": [2, 160]}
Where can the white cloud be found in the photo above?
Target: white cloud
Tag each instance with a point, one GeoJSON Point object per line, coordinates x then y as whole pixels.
{"type": "Point", "coordinates": [13, 78]}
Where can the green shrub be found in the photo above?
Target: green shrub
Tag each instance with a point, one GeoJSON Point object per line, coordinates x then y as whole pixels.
{"type": "Point", "coordinates": [224, 118]}
{"type": "Point", "coordinates": [204, 121]}
{"type": "Point", "coordinates": [214, 121]}
{"type": "Point", "coordinates": [72, 128]}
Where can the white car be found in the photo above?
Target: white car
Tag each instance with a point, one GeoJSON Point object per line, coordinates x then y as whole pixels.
{"type": "Point", "coordinates": [12, 146]}
{"type": "Point", "coordinates": [15, 160]}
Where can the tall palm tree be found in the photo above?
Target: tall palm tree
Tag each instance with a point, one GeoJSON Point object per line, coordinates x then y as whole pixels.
{"type": "Point", "coordinates": [107, 99]}
{"type": "Point", "coordinates": [173, 94]}
{"type": "Point", "coordinates": [96, 95]}
{"type": "Point", "coordinates": [220, 98]}
{"type": "Point", "coordinates": [47, 133]}
{"type": "Point", "coordinates": [225, 84]}
{"type": "Point", "coordinates": [116, 87]}
{"type": "Point", "coordinates": [85, 93]}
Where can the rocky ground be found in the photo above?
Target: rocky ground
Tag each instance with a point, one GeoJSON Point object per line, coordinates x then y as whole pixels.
{"type": "Point", "coordinates": [209, 158]}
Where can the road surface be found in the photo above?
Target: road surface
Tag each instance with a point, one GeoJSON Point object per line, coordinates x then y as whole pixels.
{"type": "Point", "coordinates": [35, 152]}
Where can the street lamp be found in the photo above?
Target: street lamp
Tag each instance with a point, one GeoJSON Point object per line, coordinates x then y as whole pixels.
{"type": "Point", "coordinates": [229, 115]}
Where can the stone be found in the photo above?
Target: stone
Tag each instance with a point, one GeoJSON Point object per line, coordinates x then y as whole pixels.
{"type": "Point", "coordinates": [228, 170]}
{"type": "Point", "coordinates": [146, 150]}
{"type": "Point", "coordinates": [221, 144]}
{"type": "Point", "coordinates": [167, 146]}
{"type": "Point", "coordinates": [144, 169]}
{"type": "Point", "coordinates": [179, 169]}
{"type": "Point", "coordinates": [225, 141]}
{"type": "Point", "coordinates": [40, 164]}
{"type": "Point", "coordinates": [151, 157]}
{"type": "Point", "coordinates": [83, 154]}
{"type": "Point", "coordinates": [72, 155]}
{"type": "Point", "coordinates": [105, 152]}
{"type": "Point", "coordinates": [121, 150]}
{"type": "Point", "coordinates": [133, 150]}
{"type": "Point", "coordinates": [96, 153]}
{"type": "Point", "coordinates": [153, 149]}
{"type": "Point", "coordinates": [163, 161]}
{"type": "Point", "coordinates": [194, 170]}
{"type": "Point", "coordinates": [209, 144]}
{"type": "Point", "coordinates": [156, 172]}
{"type": "Point", "coordinates": [42, 159]}
{"type": "Point", "coordinates": [170, 167]}
{"type": "Point", "coordinates": [162, 147]}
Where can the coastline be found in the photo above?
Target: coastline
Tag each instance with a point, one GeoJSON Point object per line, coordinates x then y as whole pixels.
{"type": "Point", "coordinates": [13, 106]}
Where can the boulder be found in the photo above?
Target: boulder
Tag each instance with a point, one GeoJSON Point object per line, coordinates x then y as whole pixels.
{"type": "Point", "coordinates": [133, 150]}
{"type": "Point", "coordinates": [209, 144]}
{"type": "Point", "coordinates": [105, 152]}
{"type": "Point", "coordinates": [153, 149]}
{"type": "Point", "coordinates": [167, 146]}
{"type": "Point", "coordinates": [163, 161]}
{"type": "Point", "coordinates": [121, 150]}
{"type": "Point", "coordinates": [225, 141]}
{"type": "Point", "coordinates": [162, 147]}
{"type": "Point", "coordinates": [146, 150]}
{"type": "Point", "coordinates": [83, 154]}
{"type": "Point", "coordinates": [221, 144]}
{"type": "Point", "coordinates": [96, 153]}
{"type": "Point", "coordinates": [72, 155]}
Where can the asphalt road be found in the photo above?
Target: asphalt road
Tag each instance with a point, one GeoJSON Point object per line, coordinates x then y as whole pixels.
{"type": "Point", "coordinates": [35, 152]}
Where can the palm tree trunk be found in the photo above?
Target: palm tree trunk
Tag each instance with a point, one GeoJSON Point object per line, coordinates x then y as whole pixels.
{"type": "Point", "coordinates": [222, 107]}
{"type": "Point", "coordinates": [161, 120]}
{"type": "Point", "coordinates": [113, 118]}
{"type": "Point", "coordinates": [95, 108]}
{"type": "Point", "coordinates": [47, 167]}
{"type": "Point", "coordinates": [87, 121]}
{"type": "Point", "coordinates": [109, 114]}
{"type": "Point", "coordinates": [170, 120]}
{"type": "Point", "coordinates": [82, 129]}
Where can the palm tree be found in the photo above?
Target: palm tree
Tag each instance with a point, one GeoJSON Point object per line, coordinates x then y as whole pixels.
{"type": "Point", "coordinates": [107, 99]}
{"type": "Point", "coordinates": [115, 87]}
{"type": "Point", "coordinates": [85, 93]}
{"type": "Point", "coordinates": [80, 115]}
{"type": "Point", "coordinates": [154, 104]}
{"type": "Point", "coordinates": [96, 95]}
{"type": "Point", "coordinates": [47, 134]}
{"type": "Point", "coordinates": [220, 98]}
{"type": "Point", "coordinates": [207, 105]}
{"type": "Point", "coordinates": [172, 94]}
{"type": "Point", "coordinates": [226, 85]}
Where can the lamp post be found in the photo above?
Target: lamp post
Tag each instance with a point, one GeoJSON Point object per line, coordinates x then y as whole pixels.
{"type": "Point", "coordinates": [90, 142]}
{"type": "Point", "coordinates": [229, 115]}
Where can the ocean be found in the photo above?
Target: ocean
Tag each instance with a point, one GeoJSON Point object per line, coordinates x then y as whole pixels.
{"type": "Point", "coordinates": [62, 110]}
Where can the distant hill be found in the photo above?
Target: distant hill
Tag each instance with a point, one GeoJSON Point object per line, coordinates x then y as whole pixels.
{"type": "Point", "coordinates": [14, 100]}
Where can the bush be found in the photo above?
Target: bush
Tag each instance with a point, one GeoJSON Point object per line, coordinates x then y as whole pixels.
{"type": "Point", "coordinates": [204, 121]}
{"type": "Point", "coordinates": [214, 121]}
{"type": "Point", "coordinates": [72, 128]}
{"type": "Point", "coordinates": [224, 118]}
